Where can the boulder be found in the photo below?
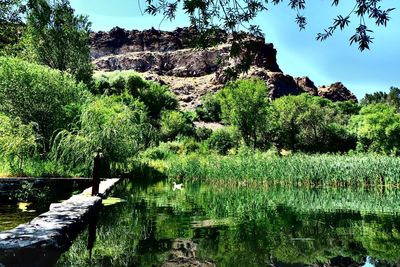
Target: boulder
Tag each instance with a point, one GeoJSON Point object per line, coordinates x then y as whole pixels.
{"type": "Point", "coordinates": [336, 92]}
{"type": "Point", "coordinates": [281, 85]}
{"type": "Point", "coordinates": [307, 85]}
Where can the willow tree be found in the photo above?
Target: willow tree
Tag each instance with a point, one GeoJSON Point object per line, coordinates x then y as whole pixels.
{"type": "Point", "coordinates": [109, 126]}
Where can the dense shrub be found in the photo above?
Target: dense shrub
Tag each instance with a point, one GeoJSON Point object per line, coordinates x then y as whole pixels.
{"type": "Point", "coordinates": [39, 94]}
{"type": "Point", "coordinates": [108, 126]}
{"type": "Point", "coordinates": [158, 98]}
{"type": "Point", "coordinates": [155, 96]}
{"type": "Point", "coordinates": [210, 109]}
{"type": "Point", "coordinates": [377, 128]}
{"type": "Point", "coordinates": [203, 133]}
{"type": "Point", "coordinates": [311, 124]}
{"type": "Point", "coordinates": [174, 123]}
{"type": "Point", "coordinates": [224, 139]}
{"type": "Point", "coordinates": [160, 152]}
{"type": "Point", "coordinates": [18, 142]}
{"type": "Point", "coordinates": [188, 145]}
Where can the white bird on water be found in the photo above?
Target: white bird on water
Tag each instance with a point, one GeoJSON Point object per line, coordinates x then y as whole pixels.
{"type": "Point", "coordinates": [177, 186]}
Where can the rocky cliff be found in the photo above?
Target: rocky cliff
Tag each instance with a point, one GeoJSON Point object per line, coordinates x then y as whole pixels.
{"type": "Point", "coordinates": [169, 58]}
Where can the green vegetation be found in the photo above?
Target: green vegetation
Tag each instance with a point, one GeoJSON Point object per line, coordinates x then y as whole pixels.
{"type": "Point", "coordinates": [246, 226]}
{"type": "Point", "coordinates": [155, 96]}
{"type": "Point", "coordinates": [55, 37]}
{"type": "Point", "coordinates": [392, 98]}
{"type": "Point", "coordinates": [244, 104]}
{"type": "Point", "coordinates": [268, 168]}
{"type": "Point", "coordinates": [299, 179]}
{"type": "Point", "coordinates": [34, 93]}
{"type": "Point", "coordinates": [17, 142]}
{"type": "Point", "coordinates": [53, 120]}
{"type": "Point", "coordinates": [210, 109]}
{"type": "Point", "coordinates": [378, 129]}
{"type": "Point", "coordinates": [223, 140]}
{"type": "Point", "coordinates": [108, 126]}
{"type": "Point", "coordinates": [311, 124]}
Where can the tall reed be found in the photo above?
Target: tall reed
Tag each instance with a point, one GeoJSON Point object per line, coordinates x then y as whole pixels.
{"type": "Point", "coordinates": [367, 170]}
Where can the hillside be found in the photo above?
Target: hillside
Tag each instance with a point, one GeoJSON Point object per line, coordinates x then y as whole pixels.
{"type": "Point", "coordinates": [169, 58]}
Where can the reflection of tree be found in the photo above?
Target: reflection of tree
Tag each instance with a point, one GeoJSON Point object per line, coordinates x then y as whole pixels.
{"type": "Point", "coordinates": [380, 237]}
{"type": "Point", "coordinates": [244, 226]}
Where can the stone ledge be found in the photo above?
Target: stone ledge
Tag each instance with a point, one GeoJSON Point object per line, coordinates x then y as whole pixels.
{"type": "Point", "coordinates": [52, 232]}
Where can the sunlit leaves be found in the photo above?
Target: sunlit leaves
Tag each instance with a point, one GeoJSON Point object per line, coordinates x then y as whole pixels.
{"type": "Point", "coordinates": [58, 38]}
{"type": "Point", "coordinates": [108, 126]}
{"type": "Point", "coordinates": [36, 93]}
{"type": "Point", "coordinates": [377, 127]}
{"type": "Point", "coordinates": [18, 141]}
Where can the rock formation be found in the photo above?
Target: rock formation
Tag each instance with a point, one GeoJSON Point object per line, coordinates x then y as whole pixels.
{"type": "Point", "coordinates": [169, 58]}
{"type": "Point", "coordinates": [336, 92]}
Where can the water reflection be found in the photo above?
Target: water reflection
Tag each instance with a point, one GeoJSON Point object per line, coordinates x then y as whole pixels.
{"type": "Point", "coordinates": [91, 234]}
{"type": "Point", "coordinates": [244, 226]}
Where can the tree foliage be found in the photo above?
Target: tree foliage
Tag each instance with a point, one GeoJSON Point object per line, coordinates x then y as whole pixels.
{"type": "Point", "coordinates": [392, 98]}
{"type": "Point", "coordinates": [210, 109]}
{"type": "Point", "coordinates": [39, 94]}
{"type": "Point", "coordinates": [174, 123]}
{"type": "Point", "coordinates": [310, 124]}
{"type": "Point", "coordinates": [377, 128]}
{"type": "Point", "coordinates": [224, 139]}
{"type": "Point", "coordinates": [18, 141]}
{"type": "Point", "coordinates": [58, 38]}
{"type": "Point", "coordinates": [106, 125]}
{"type": "Point", "coordinates": [244, 104]}
{"type": "Point", "coordinates": [156, 97]}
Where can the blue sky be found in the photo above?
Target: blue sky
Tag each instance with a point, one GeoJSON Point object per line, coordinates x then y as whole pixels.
{"type": "Point", "coordinates": [299, 54]}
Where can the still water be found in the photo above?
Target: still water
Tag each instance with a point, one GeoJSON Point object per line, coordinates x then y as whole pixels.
{"type": "Point", "coordinates": [223, 225]}
{"type": "Point", "coordinates": [23, 202]}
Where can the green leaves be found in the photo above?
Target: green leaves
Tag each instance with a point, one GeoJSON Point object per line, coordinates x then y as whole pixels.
{"type": "Point", "coordinates": [155, 96]}
{"type": "Point", "coordinates": [58, 38]}
{"type": "Point", "coordinates": [311, 124]}
{"type": "Point", "coordinates": [377, 128]}
{"type": "Point", "coordinates": [108, 126]}
{"type": "Point", "coordinates": [18, 141]}
{"type": "Point", "coordinates": [244, 104]}
{"type": "Point", "coordinates": [39, 94]}
{"type": "Point", "coordinates": [174, 123]}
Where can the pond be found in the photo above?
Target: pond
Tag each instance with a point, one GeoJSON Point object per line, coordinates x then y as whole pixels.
{"type": "Point", "coordinates": [21, 200]}
{"type": "Point", "coordinates": [215, 225]}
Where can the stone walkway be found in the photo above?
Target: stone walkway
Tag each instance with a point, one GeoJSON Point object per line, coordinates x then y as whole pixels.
{"type": "Point", "coordinates": [52, 232]}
